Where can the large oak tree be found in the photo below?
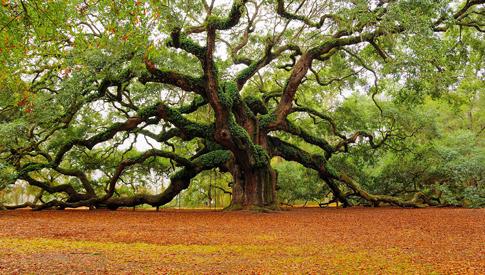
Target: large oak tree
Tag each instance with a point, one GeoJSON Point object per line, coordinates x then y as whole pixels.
{"type": "Point", "coordinates": [212, 85]}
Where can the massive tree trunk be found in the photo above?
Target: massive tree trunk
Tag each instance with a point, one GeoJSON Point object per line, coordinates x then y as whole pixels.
{"type": "Point", "coordinates": [253, 188]}
{"type": "Point", "coordinates": [254, 180]}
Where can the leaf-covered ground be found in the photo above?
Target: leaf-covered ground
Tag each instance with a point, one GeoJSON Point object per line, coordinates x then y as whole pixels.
{"type": "Point", "coordinates": [357, 240]}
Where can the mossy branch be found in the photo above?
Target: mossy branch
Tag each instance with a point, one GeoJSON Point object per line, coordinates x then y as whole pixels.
{"type": "Point", "coordinates": [237, 10]}
{"type": "Point", "coordinates": [181, 40]}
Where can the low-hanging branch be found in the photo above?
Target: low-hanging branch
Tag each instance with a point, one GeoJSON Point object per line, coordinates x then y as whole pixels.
{"type": "Point", "coordinates": [330, 175]}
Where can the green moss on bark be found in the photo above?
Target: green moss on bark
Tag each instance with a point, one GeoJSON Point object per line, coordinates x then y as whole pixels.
{"type": "Point", "coordinates": [182, 41]}
{"type": "Point", "coordinates": [247, 72]}
{"type": "Point", "coordinates": [228, 94]}
{"type": "Point", "coordinates": [256, 105]}
{"type": "Point", "coordinates": [147, 112]}
{"type": "Point", "coordinates": [261, 157]}
{"type": "Point", "coordinates": [266, 120]}
{"type": "Point", "coordinates": [213, 159]}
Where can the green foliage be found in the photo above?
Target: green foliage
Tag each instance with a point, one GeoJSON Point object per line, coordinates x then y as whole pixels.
{"type": "Point", "coordinates": [444, 158]}
{"type": "Point", "coordinates": [298, 184]}
{"type": "Point", "coordinates": [8, 174]}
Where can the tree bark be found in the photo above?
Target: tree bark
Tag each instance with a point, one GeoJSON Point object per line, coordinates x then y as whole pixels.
{"type": "Point", "coordinates": [254, 189]}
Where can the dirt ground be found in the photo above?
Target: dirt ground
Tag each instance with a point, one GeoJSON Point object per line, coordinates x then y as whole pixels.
{"type": "Point", "coordinates": [343, 241]}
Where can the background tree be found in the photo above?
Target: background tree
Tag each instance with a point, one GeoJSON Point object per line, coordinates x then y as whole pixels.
{"type": "Point", "coordinates": [213, 85]}
{"type": "Point", "coordinates": [443, 159]}
{"type": "Point", "coordinates": [299, 185]}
